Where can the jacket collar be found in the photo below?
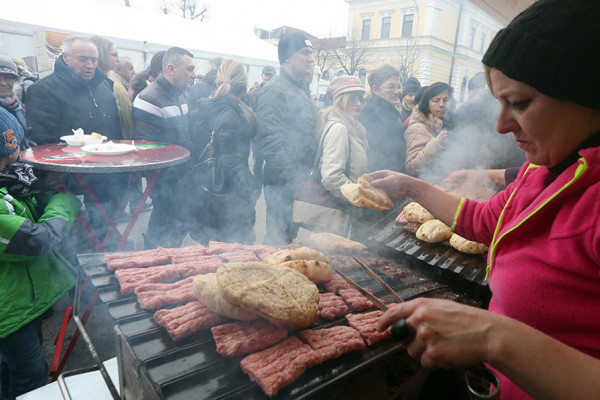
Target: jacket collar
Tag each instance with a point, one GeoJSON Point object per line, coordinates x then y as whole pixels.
{"type": "Point", "coordinates": [171, 90]}
{"type": "Point", "coordinates": [593, 141]}
{"type": "Point", "coordinates": [115, 76]}
{"type": "Point", "coordinates": [61, 69]}
{"type": "Point", "coordinates": [302, 83]}
{"type": "Point", "coordinates": [383, 105]}
{"type": "Point", "coordinates": [432, 122]}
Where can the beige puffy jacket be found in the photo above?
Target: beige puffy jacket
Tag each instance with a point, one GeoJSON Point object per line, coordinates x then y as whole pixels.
{"type": "Point", "coordinates": [422, 141]}
{"type": "Point", "coordinates": [335, 156]}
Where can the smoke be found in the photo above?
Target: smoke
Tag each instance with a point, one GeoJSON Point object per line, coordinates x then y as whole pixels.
{"type": "Point", "coordinates": [473, 142]}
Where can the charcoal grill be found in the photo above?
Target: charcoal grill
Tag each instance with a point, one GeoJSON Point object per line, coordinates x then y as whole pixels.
{"type": "Point", "coordinates": [153, 366]}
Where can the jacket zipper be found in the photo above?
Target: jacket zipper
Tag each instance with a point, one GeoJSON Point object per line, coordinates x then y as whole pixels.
{"type": "Point", "coordinates": [578, 174]}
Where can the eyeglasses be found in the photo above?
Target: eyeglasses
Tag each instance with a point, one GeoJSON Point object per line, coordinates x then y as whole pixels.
{"type": "Point", "coordinates": [356, 99]}
{"type": "Point", "coordinates": [393, 87]}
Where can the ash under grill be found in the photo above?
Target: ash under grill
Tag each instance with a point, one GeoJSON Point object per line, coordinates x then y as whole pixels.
{"type": "Point", "coordinates": [153, 366]}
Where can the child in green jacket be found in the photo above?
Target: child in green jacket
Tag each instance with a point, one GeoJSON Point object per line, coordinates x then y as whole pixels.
{"type": "Point", "coordinates": [33, 275]}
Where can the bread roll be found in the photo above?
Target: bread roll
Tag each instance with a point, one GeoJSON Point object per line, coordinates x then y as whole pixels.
{"type": "Point", "coordinates": [434, 231]}
{"type": "Point", "coordinates": [414, 212]}
{"type": "Point", "coordinates": [332, 243]}
{"type": "Point", "coordinates": [207, 291]}
{"type": "Point", "coordinates": [282, 295]}
{"type": "Point", "coordinates": [300, 253]}
{"type": "Point", "coordinates": [467, 246]}
{"type": "Point", "coordinates": [316, 271]}
{"type": "Point", "coordinates": [362, 194]}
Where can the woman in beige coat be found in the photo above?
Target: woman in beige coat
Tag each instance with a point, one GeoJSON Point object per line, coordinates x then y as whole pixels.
{"type": "Point", "coordinates": [425, 136]}
{"type": "Point", "coordinates": [344, 138]}
{"type": "Point", "coordinates": [344, 152]}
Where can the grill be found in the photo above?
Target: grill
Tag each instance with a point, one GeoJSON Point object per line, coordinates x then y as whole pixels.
{"type": "Point", "coordinates": [462, 272]}
{"type": "Point", "coordinates": [153, 366]}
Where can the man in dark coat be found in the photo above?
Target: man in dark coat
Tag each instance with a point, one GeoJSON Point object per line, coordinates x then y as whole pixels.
{"type": "Point", "coordinates": [407, 98]}
{"type": "Point", "coordinates": [287, 123]}
{"type": "Point", "coordinates": [208, 86]}
{"type": "Point", "coordinates": [160, 113]}
{"type": "Point", "coordinates": [381, 119]}
{"type": "Point", "coordinates": [258, 161]}
{"type": "Point", "coordinates": [78, 95]}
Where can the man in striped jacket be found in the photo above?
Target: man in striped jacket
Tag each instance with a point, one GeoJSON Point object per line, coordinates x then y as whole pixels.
{"type": "Point", "coordinates": [160, 113]}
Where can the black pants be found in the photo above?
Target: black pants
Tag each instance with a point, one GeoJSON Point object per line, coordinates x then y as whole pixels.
{"type": "Point", "coordinates": [23, 365]}
{"type": "Point", "coordinates": [281, 229]}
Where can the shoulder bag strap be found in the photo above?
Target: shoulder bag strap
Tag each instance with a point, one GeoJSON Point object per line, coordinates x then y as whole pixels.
{"type": "Point", "coordinates": [320, 153]}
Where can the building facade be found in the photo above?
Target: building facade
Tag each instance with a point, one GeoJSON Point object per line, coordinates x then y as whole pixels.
{"type": "Point", "coordinates": [433, 40]}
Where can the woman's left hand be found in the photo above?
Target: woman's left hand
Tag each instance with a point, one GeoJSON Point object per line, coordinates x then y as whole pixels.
{"type": "Point", "coordinates": [446, 333]}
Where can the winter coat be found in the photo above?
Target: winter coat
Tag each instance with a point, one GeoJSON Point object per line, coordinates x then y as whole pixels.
{"type": "Point", "coordinates": [543, 231]}
{"type": "Point", "coordinates": [204, 89]}
{"type": "Point", "coordinates": [62, 101]}
{"type": "Point", "coordinates": [339, 147]}
{"type": "Point", "coordinates": [287, 125]}
{"type": "Point", "coordinates": [229, 217]}
{"type": "Point", "coordinates": [251, 97]}
{"type": "Point", "coordinates": [123, 103]}
{"type": "Point", "coordinates": [159, 114]}
{"type": "Point", "coordinates": [385, 134]}
{"type": "Point", "coordinates": [33, 275]}
{"type": "Point", "coordinates": [422, 142]}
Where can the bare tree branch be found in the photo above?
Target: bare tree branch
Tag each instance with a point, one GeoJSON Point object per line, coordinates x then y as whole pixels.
{"type": "Point", "coordinates": [353, 56]}
{"type": "Point", "coordinates": [189, 9]}
{"type": "Point", "coordinates": [407, 59]}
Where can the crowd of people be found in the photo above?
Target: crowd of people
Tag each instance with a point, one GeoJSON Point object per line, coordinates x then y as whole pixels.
{"type": "Point", "coordinates": [407, 136]}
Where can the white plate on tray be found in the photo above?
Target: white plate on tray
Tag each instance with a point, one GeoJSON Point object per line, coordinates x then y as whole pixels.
{"type": "Point", "coordinates": [79, 140]}
{"type": "Point", "coordinates": [108, 149]}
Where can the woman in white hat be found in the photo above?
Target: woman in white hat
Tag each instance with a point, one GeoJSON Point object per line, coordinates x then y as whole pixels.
{"type": "Point", "coordinates": [342, 140]}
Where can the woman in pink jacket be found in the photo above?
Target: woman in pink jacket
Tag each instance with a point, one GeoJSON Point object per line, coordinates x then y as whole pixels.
{"type": "Point", "coordinates": [542, 330]}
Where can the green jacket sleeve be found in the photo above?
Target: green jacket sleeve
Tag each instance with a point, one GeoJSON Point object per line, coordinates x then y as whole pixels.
{"type": "Point", "coordinates": [23, 238]}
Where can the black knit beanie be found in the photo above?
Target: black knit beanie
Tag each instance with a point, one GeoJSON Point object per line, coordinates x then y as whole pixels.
{"type": "Point", "coordinates": [289, 43]}
{"type": "Point", "coordinates": [411, 85]}
{"type": "Point", "coordinates": [554, 46]}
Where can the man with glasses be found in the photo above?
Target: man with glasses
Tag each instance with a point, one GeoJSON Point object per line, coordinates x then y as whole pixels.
{"type": "Point", "coordinates": [78, 95]}
{"type": "Point", "coordinates": [385, 132]}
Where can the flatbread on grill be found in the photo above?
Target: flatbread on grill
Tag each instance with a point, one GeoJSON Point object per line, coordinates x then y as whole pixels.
{"type": "Point", "coordinates": [414, 212]}
{"type": "Point", "coordinates": [299, 253]}
{"type": "Point", "coordinates": [434, 231]}
{"type": "Point", "coordinates": [332, 243]}
{"type": "Point", "coordinates": [362, 194]}
{"type": "Point", "coordinates": [467, 246]}
{"type": "Point", "coordinates": [316, 271]}
{"type": "Point", "coordinates": [282, 295]}
{"type": "Point", "coordinates": [207, 291]}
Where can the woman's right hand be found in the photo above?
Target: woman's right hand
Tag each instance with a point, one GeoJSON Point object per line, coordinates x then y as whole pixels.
{"type": "Point", "coordinates": [444, 333]}
{"type": "Point", "coordinates": [442, 137]}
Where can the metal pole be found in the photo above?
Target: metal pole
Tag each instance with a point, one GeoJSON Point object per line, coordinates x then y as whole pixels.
{"type": "Point", "coordinates": [455, 42]}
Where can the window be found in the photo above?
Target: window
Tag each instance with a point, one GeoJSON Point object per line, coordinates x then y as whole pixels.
{"type": "Point", "coordinates": [407, 25]}
{"type": "Point", "coordinates": [482, 44]}
{"type": "Point", "coordinates": [472, 38]}
{"type": "Point", "coordinates": [366, 30]}
{"type": "Point", "coordinates": [386, 24]}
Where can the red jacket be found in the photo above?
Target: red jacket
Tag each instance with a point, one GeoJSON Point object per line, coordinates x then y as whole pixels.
{"type": "Point", "coordinates": [544, 258]}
